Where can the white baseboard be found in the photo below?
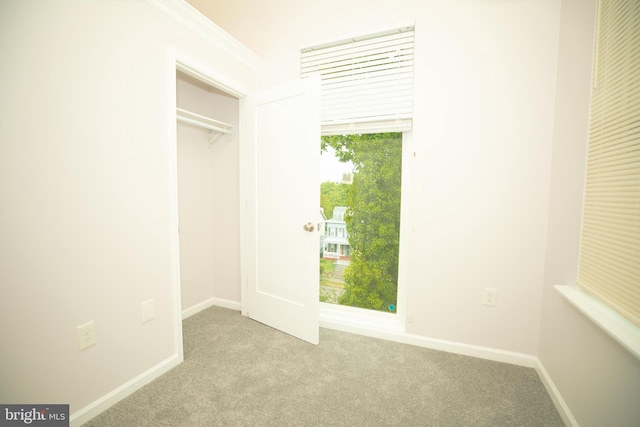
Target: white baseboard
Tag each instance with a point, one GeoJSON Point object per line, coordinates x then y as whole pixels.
{"type": "Point", "coordinates": [486, 353]}
{"type": "Point", "coordinates": [105, 402]}
{"type": "Point", "coordinates": [219, 302]}
{"type": "Point", "coordinates": [553, 391]}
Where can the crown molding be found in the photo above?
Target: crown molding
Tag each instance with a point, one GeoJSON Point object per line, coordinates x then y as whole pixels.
{"type": "Point", "coordinates": [187, 16]}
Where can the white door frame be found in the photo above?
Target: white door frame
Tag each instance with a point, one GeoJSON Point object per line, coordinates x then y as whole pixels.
{"type": "Point", "coordinates": [179, 61]}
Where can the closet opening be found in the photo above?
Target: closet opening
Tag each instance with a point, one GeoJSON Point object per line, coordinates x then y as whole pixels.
{"type": "Point", "coordinates": [207, 206]}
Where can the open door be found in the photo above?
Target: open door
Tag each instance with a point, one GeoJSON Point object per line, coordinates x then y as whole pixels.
{"type": "Point", "coordinates": [280, 175]}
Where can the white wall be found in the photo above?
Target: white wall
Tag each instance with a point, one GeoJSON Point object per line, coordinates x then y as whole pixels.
{"type": "Point", "coordinates": [85, 193]}
{"type": "Point", "coordinates": [598, 379]}
{"type": "Point", "coordinates": [209, 199]}
{"type": "Point", "coordinates": [483, 116]}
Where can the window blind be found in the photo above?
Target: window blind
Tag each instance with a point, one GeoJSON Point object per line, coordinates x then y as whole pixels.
{"type": "Point", "coordinates": [367, 82]}
{"type": "Point", "coordinates": [610, 247]}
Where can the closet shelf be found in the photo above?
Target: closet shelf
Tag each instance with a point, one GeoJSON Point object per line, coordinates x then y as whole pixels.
{"type": "Point", "coordinates": [220, 128]}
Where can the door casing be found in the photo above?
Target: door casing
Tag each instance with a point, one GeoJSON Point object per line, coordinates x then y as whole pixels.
{"type": "Point", "coordinates": [179, 61]}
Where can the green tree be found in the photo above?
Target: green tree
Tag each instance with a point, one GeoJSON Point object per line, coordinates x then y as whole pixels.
{"type": "Point", "coordinates": [373, 217]}
{"type": "Point", "coordinates": [331, 195]}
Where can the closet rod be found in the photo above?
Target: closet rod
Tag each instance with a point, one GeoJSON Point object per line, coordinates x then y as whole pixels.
{"type": "Point", "coordinates": [185, 116]}
{"type": "Point", "coordinates": [204, 125]}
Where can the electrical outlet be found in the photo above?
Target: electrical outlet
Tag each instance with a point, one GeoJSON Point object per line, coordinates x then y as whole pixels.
{"type": "Point", "coordinates": [86, 335]}
{"type": "Point", "coordinates": [410, 317]}
{"type": "Point", "coordinates": [490, 297]}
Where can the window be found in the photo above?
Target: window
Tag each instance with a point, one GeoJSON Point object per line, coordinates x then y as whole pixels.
{"type": "Point", "coordinates": [367, 109]}
{"type": "Point", "coordinates": [364, 273]}
{"type": "Point", "coordinates": [610, 247]}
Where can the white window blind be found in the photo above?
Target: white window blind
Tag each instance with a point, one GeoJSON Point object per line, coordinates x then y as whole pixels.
{"type": "Point", "coordinates": [367, 82]}
{"type": "Point", "coordinates": [610, 248]}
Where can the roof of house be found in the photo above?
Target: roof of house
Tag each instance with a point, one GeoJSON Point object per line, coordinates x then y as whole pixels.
{"type": "Point", "coordinates": [338, 213]}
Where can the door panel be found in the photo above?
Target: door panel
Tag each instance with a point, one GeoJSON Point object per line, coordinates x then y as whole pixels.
{"type": "Point", "coordinates": [284, 127]}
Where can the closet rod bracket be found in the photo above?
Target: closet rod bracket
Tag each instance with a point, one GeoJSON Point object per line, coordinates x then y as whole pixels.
{"type": "Point", "coordinates": [214, 136]}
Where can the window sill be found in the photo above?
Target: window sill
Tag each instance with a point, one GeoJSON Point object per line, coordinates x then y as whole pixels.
{"type": "Point", "coordinates": [350, 319]}
{"type": "Point", "coordinates": [619, 328]}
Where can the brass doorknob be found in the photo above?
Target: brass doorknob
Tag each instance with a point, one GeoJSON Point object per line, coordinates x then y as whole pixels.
{"type": "Point", "coordinates": [309, 227]}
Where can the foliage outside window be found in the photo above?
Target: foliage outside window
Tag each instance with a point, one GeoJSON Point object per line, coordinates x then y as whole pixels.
{"type": "Point", "coordinates": [372, 217]}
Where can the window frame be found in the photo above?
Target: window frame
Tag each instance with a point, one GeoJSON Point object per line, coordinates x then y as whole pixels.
{"type": "Point", "coordinates": [350, 318]}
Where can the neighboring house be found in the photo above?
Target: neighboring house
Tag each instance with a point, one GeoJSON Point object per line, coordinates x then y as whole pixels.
{"type": "Point", "coordinates": [335, 242]}
{"type": "Point", "coordinates": [323, 218]}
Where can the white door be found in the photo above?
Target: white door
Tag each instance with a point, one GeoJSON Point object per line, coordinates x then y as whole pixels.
{"type": "Point", "coordinates": [279, 176]}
